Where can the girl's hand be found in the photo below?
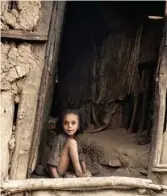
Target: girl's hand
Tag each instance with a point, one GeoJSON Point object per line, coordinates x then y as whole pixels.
{"type": "Point", "coordinates": [56, 175]}
{"type": "Point", "coordinates": [53, 171]}
{"type": "Point", "coordinates": [83, 165]}
{"type": "Point", "coordinates": [87, 174]}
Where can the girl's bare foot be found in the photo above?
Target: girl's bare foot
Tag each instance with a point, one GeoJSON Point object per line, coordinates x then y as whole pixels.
{"type": "Point", "coordinates": [87, 174]}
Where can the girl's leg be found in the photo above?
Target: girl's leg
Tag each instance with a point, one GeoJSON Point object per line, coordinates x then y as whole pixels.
{"type": "Point", "coordinates": [64, 161]}
{"type": "Point", "coordinates": [73, 151]}
{"type": "Point", "coordinates": [70, 151]}
{"type": "Point", "coordinates": [63, 165]}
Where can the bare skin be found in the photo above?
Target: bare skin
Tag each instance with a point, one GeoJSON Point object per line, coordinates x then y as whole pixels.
{"type": "Point", "coordinates": [70, 150]}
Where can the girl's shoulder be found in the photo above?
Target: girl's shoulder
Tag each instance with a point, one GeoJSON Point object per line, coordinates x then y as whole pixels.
{"type": "Point", "coordinates": [60, 137]}
{"type": "Point", "coordinates": [57, 139]}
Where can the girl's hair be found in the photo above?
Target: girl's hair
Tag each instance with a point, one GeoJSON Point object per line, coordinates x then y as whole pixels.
{"type": "Point", "coordinates": [83, 123]}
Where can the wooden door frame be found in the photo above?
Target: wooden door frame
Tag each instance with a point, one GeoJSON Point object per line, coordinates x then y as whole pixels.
{"type": "Point", "coordinates": [47, 82]}
{"type": "Point", "coordinates": [46, 93]}
{"type": "Point", "coordinates": [155, 165]}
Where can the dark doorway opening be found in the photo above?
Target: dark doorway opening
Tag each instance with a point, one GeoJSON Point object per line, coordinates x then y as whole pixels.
{"type": "Point", "coordinates": [108, 59]}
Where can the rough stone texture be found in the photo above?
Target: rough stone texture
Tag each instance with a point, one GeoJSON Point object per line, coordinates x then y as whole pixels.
{"type": "Point", "coordinates": [128, 172]}
{"type": "Point", "coordinates": [6, 124]}
{"type": "Point", "coordinates": [3, 8]}
{"type": "Point", "coordinates": [24, 16]}
{"type": "Point", "coordinates": [16, 62]}
{"type": "Point", "coordinates": [111, 162]}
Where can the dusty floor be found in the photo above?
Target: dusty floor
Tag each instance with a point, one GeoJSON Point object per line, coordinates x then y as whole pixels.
{"type": "Point", "coordinates": [116, 152]}
{"type": "Point", "coordinates": [113, 152]}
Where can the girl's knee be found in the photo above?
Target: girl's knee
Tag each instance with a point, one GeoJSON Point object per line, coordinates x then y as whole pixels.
{"type": "Point", "coordinates": [72, 142]}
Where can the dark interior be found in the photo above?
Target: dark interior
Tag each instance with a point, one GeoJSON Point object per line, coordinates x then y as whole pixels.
{"type": "Point", "coordinates": [86, 26]}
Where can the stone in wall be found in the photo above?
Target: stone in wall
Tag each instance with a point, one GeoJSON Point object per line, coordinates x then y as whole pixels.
{"type": "Point", "coordinates": [3, 8]}
{"type": "Point", "coordinates": [16, 62]}
{"type": "Point", "coordinates": [23, 16]}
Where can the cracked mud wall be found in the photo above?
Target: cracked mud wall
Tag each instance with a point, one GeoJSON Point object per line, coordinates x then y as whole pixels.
{"type": "Point", "coordinates": [16, 64]}
{"type": "Point", "coordinates": [21, 74]}
{"type": "Point", "coordinates": [20, 15]}
{"type": "Point", "coordinates": [21, 70]}
{"type": "Point", "coordinates": [6, 112]}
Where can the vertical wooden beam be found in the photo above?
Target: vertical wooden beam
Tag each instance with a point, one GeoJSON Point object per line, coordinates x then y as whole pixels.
{"type": "Point", "coordinates": [158, 137]}
{"type": "Point", "coordinates": [29, 98]}
{"type": "Point", "coordinates": [161, 101]}
{"type": "Point", "coordinates": [6, 124]}
{"type": "Point", "coordinates": [164, 145]}
{"type": "Point", "coordinates": [164, 157]}
{"type": "Point", "coordinates": [47, 83]}
{"type": "Point", "coordinates": [26, 116]}
{"type": "Point", "coordinates": [166, 20]}
{"type": "Point", "coordinates": [43, 24]}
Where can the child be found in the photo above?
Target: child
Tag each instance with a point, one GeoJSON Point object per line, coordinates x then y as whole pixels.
{"type": "Point", "coordinates": [67, 148]}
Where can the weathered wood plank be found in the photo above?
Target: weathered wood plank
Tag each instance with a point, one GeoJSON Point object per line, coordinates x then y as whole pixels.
{"type": "Point", "coordinates": [29, 100]}
{"type": "Point", "coordinates": [114, 182]}
{"type": "Point", "coordinates": [166, 32]}
{"type": "Point", "coordinates": [46, 88]}
{"type": "Point", "coordinates": [45, 16]}
{"type": "Point", "coordinates": [158, 165]}
{"type": "Point", "coordinates": [166, 20]}
{"type": "Point", "coordinates": [158, 120]}
{"type": "Point", "coordinates": [164, 157]}
{"type": "Point", "coordinates": [161, 118]}
{"type": "Point", "coordinates": [26, 115]}
{"type": "Point", "coordinates": [23, 35]}
{"type": "Point", "coordinates": [6, 124]}
{"type": "Point", "coordinates": [160, 169]}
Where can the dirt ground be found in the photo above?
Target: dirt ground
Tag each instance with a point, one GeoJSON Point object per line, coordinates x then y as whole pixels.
{"type": "Point", "coordinates": [115, 152]}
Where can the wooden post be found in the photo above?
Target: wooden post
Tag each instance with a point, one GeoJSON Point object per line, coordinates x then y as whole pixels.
{"type": "Point", "coordinates": [164, 156]}
{"type": "Point", "coordinates": [158, 160]}
{"type": "Point", "coordinates": [29, 96]}
{"type": "Point", "coordinates": [164, 145]}
{"type": "Point", "coordinates": [46, 87]}
{"type": "Point", "coordinates": [6, 124]}
{"type": "Point", "coordinates": [26, 116]}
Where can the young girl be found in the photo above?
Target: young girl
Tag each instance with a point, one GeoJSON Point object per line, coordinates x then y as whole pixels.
{"type": "Point", "coordinates": [67, 148]}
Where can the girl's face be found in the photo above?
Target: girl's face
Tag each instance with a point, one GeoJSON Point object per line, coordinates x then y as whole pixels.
{"type": "Point", "coordinates": [70, 124]}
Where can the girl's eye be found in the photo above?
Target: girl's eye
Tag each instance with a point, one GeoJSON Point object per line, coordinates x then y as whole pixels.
{"type": "Point", "coordinates": [65, 123]}
{"type": "Point", "coordinates": [73, 122]}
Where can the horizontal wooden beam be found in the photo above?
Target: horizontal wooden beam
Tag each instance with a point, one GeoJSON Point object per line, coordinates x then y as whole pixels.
{"type": "Point", "coordinates": [162, 168]}
{"type": "Point", "coordinates": [159, 170]}
{"type": "Point", "coordinates": [114, 182]}
{"type": "Point", "coordinates": [23, 35]}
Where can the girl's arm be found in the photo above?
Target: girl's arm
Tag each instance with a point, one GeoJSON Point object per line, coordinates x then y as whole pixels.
{"type": "Point", "coordinates": [83, 165]}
